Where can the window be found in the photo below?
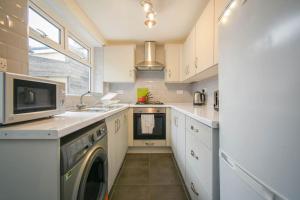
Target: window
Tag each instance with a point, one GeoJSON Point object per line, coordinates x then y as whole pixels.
{"type": "Point", "coordinates": [43, 26]}
{"type": "Point", "coordinates": [46, 62]}
{"type": "Point", "coordinates": [78, 49]}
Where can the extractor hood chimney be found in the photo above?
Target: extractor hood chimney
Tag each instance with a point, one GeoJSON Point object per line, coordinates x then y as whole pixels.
{"type": "Point", "coordinates": [150, 63]}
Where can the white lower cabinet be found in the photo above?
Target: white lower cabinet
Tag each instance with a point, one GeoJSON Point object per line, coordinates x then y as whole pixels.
{"type": "Point", "coordinates": [178, 139]}
{"type": "Point", "coordinates": [117, 126]}
{"type": "Point", "coordinates": [195, 148]}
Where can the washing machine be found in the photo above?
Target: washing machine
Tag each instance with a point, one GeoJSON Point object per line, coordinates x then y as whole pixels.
{"type": "Point", "coordinates": [84, 164]}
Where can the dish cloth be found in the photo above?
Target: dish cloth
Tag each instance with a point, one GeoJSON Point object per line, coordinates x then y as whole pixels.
{"type": "Point", "coordinates": [147, 123]}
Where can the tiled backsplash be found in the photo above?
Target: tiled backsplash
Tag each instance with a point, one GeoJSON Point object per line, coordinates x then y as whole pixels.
{"type": "Point", "coordinates": [155, 82]}
{"type": "Point", "coordinates": [210, 85]}
{"type": "Point", "coordinates": [14, 34]}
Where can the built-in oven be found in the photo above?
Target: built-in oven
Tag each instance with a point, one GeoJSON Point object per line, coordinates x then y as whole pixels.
{"type": "Point", "coordinates": [26, 98]}
{"type": "Point", "coordinates": [159, 127]}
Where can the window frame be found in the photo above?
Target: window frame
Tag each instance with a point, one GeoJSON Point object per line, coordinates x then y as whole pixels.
{"type": "Point", "coordinates": [64, 34]}
{"type": "Point", "coordinates": [90, 69]}
{"type": "Point", "coordinates": [36, 33]}
{"type": "Point", "coordinates": [70, 35]}
{"type": "Point", "coordinates": [63, 46]}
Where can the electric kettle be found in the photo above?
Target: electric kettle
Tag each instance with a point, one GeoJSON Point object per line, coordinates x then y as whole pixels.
{"type": "Point", "coordinates": [199, 98]}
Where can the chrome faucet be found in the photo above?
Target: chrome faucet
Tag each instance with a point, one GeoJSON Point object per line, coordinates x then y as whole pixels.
{"type": "Point", "coordinates": [81, 105]}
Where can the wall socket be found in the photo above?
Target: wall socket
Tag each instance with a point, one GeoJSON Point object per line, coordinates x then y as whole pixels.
{"type": "Point", "coordinates": [3, 65]}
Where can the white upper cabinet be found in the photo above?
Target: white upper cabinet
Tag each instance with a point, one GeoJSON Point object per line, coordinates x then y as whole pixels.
{"type": "Point", "coordinates": [119, 63]}
{"type": "Point", "coordinates": [220, 6]}
{"type": "Point", "coordinates": [173, 57]}
{"type": "Point", "coordinates": [188, 67]}
{"type": "Point", "coordinates": [205, 38]}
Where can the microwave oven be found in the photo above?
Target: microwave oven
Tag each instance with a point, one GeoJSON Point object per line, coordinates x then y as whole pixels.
{"type": "Point", "coordinates": [24, 98]}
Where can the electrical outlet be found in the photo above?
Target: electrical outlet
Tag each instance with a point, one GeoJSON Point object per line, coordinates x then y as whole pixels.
{"type": "Point", "coordinates": [179, 92]}
{"type": "Point", "coordinates": [3, 64]}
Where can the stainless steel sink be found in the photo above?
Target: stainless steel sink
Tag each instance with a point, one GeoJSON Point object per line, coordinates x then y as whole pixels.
{"type": "Point", "coordinates": [99, 108]}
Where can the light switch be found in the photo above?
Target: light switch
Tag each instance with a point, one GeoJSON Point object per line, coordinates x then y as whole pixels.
{"type": "Point", "coordinates": [3, 64]}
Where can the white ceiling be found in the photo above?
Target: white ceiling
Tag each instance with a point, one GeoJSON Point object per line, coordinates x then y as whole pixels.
{"type": "Point", "coordinates": [123, 20]}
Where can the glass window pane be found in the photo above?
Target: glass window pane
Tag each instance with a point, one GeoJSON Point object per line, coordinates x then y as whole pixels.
{"type": "Point", "coordinates": [78, 49]}
{"type": "Point", "coordinates": [43, 26]}
{"type": "Point", "coordinates": [45, 62]}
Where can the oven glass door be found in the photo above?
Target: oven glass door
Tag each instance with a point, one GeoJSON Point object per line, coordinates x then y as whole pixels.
{"type": "Point", "coordinates": [159, 130]}
{"type": "Point", "coordinates": [30, 96]}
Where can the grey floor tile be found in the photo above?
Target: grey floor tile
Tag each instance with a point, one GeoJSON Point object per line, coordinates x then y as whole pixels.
{"type": "Point", "coordinates": [136, 163]}
{"type": "Point", "coordinates": [133, 176]}
{"type": "Point", "coordinates": [148, 177]}
{"type": "Point", "coordinates": [131, 193]}
{"type": "Point", "coordinates": [164, 176]}
{"type": "Point", "coordinates": [161, 160]}
{"type": "Point", "coordinates": [169, 192]}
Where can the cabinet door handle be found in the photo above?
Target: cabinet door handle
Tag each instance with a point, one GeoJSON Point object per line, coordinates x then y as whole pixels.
{"type": "Point", "coordinates": [194, 155]}
{"type": "Point", "coordinates": [194, 129]}
{"type": "Point", "coordinates": [193, 189]}
{"type": "Point", "coordinates": [116, 126]}
{"type": "Point", "coordinates": [196, 62]}
{"type": "Point", "coordinates": [149, 143]}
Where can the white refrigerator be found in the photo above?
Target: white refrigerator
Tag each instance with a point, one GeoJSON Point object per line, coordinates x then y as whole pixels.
{"type": "Point", "coordinates": [259, 82]}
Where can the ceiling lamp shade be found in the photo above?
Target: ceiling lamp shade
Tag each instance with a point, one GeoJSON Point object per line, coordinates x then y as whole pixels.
{"type": "Point", "coordinates": [147, 5]}
{"type": "Point", "coordinates": [150, 15]}
{"type": "Point", "coordinates": [150, 23]}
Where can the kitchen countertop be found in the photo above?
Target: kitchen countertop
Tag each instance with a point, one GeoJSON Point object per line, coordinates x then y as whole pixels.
{"type": "Point", "coordinates": [57, 126]}
{"type": "Point", "coordinates": [71, 121]}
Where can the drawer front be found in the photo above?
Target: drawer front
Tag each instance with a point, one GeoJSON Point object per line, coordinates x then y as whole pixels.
{"type": "Point", "coordinates": [201, 132]}
{"type": "Point", "coordinates": [200, 161]}
{"type": "Point", "coordinates": [196, 190]}
{"type": "Point", "coordinates": [149, 143]}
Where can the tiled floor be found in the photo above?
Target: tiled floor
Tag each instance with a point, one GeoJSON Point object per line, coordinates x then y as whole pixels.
{"type": "Point", "coordinates": [148, 177]}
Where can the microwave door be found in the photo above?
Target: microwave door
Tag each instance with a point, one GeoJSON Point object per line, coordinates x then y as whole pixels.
{"type": "Point", "coordinates": [32, 96]}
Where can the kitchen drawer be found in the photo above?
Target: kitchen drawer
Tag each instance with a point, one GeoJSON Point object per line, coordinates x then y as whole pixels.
{"type": "Point", "coordinates": [196, 190]}
{"type": "Point", "coordinates": [199, 158]}
{"type": "Point", "coordinates": [149, 143]}
{"type": "Point", "coordinates": [201, 132]}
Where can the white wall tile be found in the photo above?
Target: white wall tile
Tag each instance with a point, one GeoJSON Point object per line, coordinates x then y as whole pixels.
{"type": "Point", "coordinates": [210, 85]}
{"type": "Point", "coordinates": [14, 34]}
{"type": "Point", "coordinates": [155, 82]}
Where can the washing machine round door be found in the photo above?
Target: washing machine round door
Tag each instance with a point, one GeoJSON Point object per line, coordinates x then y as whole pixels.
{"type": "Point", "coordinates": [93, 185]}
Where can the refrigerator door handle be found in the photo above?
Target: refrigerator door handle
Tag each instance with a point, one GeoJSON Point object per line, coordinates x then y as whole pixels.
{"type": "Point", "coordinates": [227, 160]}
{"type": "Point", "coordinates": [261, 189]}
{"type": "Point", "coordinates": [253, 183]}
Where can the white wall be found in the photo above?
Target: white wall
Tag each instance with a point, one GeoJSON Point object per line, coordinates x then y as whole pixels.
{"type": "Point", "coordinates": [210, 85]}
{"type": "Point", "coordinates": [155, 82]}
{"type": "Point", "coordinates": [14, 34]}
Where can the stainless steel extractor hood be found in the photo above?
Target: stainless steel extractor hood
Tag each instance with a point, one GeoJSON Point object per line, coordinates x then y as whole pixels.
{"type": "Point", "coordinates": [150, 63]}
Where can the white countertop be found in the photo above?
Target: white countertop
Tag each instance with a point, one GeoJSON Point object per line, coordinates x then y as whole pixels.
{"type": "Point", "coordinates": [57, 126]}
{"type": "Point", "coordinates": [64, 124]}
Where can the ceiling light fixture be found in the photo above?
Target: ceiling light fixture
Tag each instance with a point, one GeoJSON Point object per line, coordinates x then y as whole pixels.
{"type": "Point", "coordinates": [150, 15]}
{"type": "Point", "coordinates": [147, 5]}
{"type": "Point", "coordinates": [150, 23]}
